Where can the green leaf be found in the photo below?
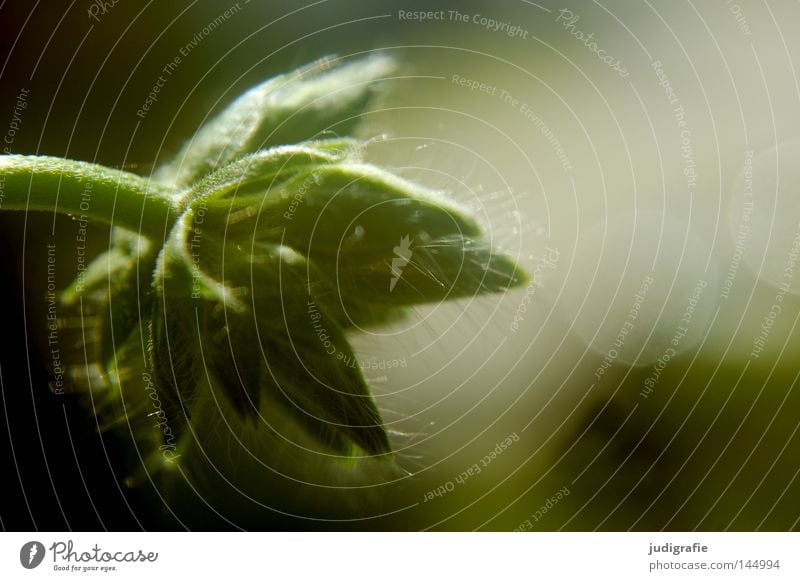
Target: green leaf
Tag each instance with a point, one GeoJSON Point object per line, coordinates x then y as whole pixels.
{"type": "Point", "coordinates": [328, 96]}
{"type": "Point", "coordinates": [241, 185]}
{"type": "Point", "coordinates": [117, 287]}
{"type": "Point", "coordinates": [313, 371]}
{"type": "Point", "coordinates": [248, 311]}
{"type": "Point", "coordinates": [348, 219]}
{"type": "Point", "coordinates": [433, 270]}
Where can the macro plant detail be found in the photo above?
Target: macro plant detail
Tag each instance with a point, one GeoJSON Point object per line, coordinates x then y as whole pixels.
{"type": "Point", "coordinates": [226, 262]}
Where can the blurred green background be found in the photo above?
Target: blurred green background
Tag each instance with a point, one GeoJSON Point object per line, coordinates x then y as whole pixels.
{"type": "Point", "coordinates": [593, 180]}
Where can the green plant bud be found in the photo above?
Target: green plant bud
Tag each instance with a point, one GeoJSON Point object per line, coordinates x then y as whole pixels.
{"type": "Point", "coordinates": [326, 96]}
{"type": "Point", "coordinates": [247, 258]}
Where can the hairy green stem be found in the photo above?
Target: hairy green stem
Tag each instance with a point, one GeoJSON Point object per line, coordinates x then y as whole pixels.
{"type": "Point", "coordinates": [86, 190]}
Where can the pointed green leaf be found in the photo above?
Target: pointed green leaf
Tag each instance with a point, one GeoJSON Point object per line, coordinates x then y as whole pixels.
{"type": "Point", "coordinates": [349, 220]}
{"type": "Point", "coordinates": [327, 96]}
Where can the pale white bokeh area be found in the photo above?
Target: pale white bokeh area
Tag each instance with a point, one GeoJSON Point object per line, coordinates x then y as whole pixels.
{"type": "Point", "coordinates": [641, 287]}
{"type": "Point", "coordinates": [765, 214]}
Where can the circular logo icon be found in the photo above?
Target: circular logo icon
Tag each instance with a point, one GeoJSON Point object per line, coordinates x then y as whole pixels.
{"type": "Point", "coordinates": [31, 554]}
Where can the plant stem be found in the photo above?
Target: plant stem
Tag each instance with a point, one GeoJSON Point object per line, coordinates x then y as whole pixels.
{"type": "Point", "coordinates": [86, 190]}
